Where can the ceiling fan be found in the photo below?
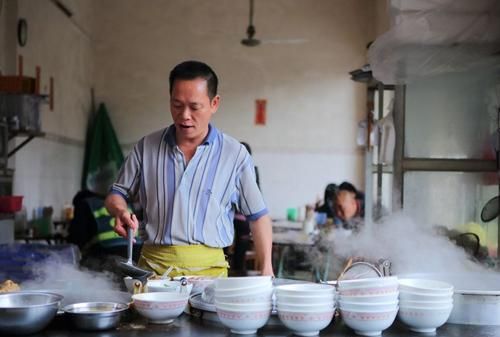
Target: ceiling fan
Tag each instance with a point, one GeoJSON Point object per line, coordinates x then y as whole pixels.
{"type": "Point", "coordinates": [251, 41]}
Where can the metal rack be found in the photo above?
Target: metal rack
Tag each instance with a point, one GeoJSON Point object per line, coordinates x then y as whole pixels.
{"type": "Point", "coordinates": [8, 134]}
{"type": "Point", "coordinates": [374, 169]}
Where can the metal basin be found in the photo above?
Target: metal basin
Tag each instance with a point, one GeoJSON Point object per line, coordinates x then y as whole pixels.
{"type": "Point", "coordinates": [27, 312]}
{"type": "Point", "coordinates": [95, 315]}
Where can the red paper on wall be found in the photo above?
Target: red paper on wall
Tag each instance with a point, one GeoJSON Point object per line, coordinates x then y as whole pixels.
{"type": "Point", "coordinates": [260, 111]}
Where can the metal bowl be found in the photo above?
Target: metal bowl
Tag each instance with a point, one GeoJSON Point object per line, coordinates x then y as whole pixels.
{"type": "Point", "coordinates": [27, 312]}
{"type": "Point", "coordinates": [95, 315]}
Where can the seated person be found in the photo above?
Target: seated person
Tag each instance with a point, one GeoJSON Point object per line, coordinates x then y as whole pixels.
{"type": "Point", "coordinates": [91, 229]}
{"type": "Point", "coordinates": [349, 209]}
{"type": "Point", "coordinates": [328, 206]}
{"type": "Point", "coordinates": [242, 235]}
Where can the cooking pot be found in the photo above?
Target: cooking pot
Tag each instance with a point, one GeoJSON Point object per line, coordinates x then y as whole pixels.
{"type": "Point", "coordinates": [27, 312]}
{"type": "Point", "coordinates": [93, 316]}
{"type": "Point", "coordinates": [476, 298]}
{"type": "Point", "coordinates": [72, 296]}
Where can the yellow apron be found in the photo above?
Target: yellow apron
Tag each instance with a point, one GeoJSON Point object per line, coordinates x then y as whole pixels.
{"type": "Point", "coordinates": [184, 260]}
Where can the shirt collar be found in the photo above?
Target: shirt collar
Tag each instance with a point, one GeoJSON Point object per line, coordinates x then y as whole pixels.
{"type": "Point", "coordinates": [212, 134]}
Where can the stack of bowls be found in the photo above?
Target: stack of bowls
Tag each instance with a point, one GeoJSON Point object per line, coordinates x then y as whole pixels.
{"type": "Point", "coordinates": [161, 285]}
{"type": "Point", "coordinates": [199, 283]}
{"type": "Point", "coordinates": [424, 304]}
{"type": "Point", "coordinates": [305, 308]}
{"type": "Point", "coordinates": [369, 306]}
{"type": "Point", "coordinates": [243, 304]}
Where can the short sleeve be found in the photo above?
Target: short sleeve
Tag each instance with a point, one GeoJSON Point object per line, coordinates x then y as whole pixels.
{"type": "Point", "coordinates": [251, 201]}
{"type": "Point", "coordinates": [129, 176]}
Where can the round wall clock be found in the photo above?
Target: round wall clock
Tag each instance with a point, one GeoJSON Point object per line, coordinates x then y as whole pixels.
{"type": "Point", "coordinates": [22, 32]}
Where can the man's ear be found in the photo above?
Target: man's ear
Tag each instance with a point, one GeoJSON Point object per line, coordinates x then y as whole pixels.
{"type": "Point", "coordinates": [214, 104]}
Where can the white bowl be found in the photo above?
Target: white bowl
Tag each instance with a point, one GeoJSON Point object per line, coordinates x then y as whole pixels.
{"type": "Point", "coordinates": [421, 286]}
{"type": "Point", "coordinates": [247, 291]}
{"type": "Point", "coordinates": [243, 321]}
{"type": "Point", "coordinates": [303, 308]}
{"type": "Point", "coordinates": [169, 286]}
{"type": "Point", "coordinates": [370, 291]}
{"type": "Point", "coordinates": [424, 320]}
{"type": "Point", "coordinates": [228, 283]}
{"type": "Point", "coordinates": [368, 323]}
{"type": "Point", "coordinates": [368, 282]}
{"type": "Point", "coordinates": [411, 296]}
{"type": "Point", "coordinates": [305, 300]}
{"type": "Point", "coordinates": [262, 296]}
{"type": "Point", "coordinates": [370, 299]}
{"type": "Point", "coordinates": [305, 289]}
{"type": "Point", "coordinates": [368, 307]}
{"type": "Point", "coordinates": [199, 282]}
{"type": "Point", "coordinates": [306, 323]}
{"type": "Point", "coordinates": [426, 304]}
{"type": "Point", "coordinates": [161, 307]}
{"type": "Point", "coordinates": [259, 306]}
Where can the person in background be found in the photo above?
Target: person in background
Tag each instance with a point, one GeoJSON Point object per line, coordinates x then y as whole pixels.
{"type": "Point", "coordinates": [349, 209]}
{"type": "Point", "coordinates": [328, 205]}
{"type": "Point", "coordinates": [242, 240]}
{"type": "Point", "coordinates": [91, 229]}
{"type": "Point", "coordinates": [187, 178]}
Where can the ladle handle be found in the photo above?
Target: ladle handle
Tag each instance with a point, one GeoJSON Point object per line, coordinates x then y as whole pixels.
{"type": "Point", "coordinates": [130, 246]}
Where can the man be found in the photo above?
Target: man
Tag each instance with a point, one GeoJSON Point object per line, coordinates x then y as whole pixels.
{"type": "Point", "coordinates": [348, 206]}
{"type": "Point", "coordinates": [186, 178]}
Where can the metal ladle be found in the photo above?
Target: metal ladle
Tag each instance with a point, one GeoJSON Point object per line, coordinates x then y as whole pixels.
{"type": "Point", "coordinates": [128, 267]}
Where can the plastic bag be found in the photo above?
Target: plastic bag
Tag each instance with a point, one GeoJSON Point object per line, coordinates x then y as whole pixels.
{"type": "Point", "coordinates": [431, 37]}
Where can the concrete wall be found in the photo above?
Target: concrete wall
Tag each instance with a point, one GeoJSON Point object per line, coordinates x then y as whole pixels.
{"type": "Point", "coordinates": [313, 106]}
{"type": "Point", "coordinates": [8, 21]}
{"type": "Point", "coordinates": [48, 170]}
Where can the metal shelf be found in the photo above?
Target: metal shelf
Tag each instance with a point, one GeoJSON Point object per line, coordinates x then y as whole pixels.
{"type": "Point", "coordinates": [30, 136]}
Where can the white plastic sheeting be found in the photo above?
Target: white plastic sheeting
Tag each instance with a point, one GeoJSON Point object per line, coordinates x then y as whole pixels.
{"type": "Point", "coordinates": [430, 37]}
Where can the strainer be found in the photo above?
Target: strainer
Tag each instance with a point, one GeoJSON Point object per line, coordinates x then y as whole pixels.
{"type": "Point", "coordinates": [359, 270]}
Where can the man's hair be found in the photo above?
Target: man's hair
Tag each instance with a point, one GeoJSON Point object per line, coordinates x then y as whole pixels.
{"type": "Point", "coordinates": [190, 70]}
{"type": "Point", "coordinates": [331, 191]}
{"type": "Point", "coordinates": [347, 186]}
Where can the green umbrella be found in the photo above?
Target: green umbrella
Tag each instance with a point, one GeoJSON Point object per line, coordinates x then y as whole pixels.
{"type": "Point", "coordinates": [103, 154]}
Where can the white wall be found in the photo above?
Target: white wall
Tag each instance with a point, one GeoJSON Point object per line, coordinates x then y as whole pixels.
{"type": "Point", "coordinates": [48, 170]}
{"type": "Point", "coordinates": [313, 106]}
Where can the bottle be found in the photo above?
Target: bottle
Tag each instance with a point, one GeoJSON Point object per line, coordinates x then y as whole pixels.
{"type": "Point", "coordinates": [309, 224]}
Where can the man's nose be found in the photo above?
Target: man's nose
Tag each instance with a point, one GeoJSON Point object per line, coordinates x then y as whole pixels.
{"type": "Point", "coordinates": [185, 113]}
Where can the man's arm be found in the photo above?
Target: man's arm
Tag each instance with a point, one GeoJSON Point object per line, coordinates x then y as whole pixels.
{"type": "Point", "coordinates": [262, 233]}
{"type": "Point", "coordinates": [118, 208]}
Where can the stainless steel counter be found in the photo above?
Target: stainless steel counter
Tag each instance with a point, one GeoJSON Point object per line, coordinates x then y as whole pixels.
{"type": "Point", "coordinates": [186, 326]}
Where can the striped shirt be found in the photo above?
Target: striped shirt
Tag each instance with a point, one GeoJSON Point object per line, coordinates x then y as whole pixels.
{"type": "Point", "coordinates": [193, 203]}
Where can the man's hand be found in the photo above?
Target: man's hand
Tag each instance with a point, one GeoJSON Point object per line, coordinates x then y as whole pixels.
{"type": "Point", "coordinates": [267, 271]}
{"type": "Point", "coordinates": [124, 220]}
{"type": "Point", "coordinates": [117, 207]}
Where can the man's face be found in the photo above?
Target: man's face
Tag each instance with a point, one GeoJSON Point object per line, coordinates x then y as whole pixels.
{"type": "Point", "coordinates": [192, 109]}
{"type": "Point", "coordinates": [346, 205]}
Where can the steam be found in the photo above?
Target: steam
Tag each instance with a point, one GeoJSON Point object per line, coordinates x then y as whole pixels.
{"type": "Point", "coordinates": [412, 248]}
{"type": "Point", "coordinates": [76, 284]}
{"type": "Point", "coordinates": [52, 274]}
